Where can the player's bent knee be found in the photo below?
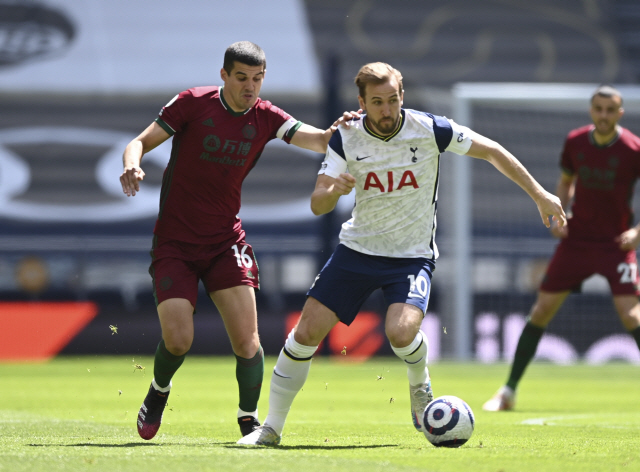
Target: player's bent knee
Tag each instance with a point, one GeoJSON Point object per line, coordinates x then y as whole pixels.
{"type": "Point", "coordinates": [247, 349]}
{"type": "Point", "coordinates": [400, 336]}
{"type": "Point", "coordinates": [307, 337]}
{"type": "Point", "coordinates": [178, 346]}
{"type": "Point", "coordinates": [315, 323]}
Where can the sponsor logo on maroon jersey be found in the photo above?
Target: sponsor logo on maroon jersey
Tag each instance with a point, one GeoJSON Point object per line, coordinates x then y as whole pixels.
{"type": "Point", "coordinates": [205, 156]}
{"type": "Point", "coordinates": [597, 178]}
{"type": "Point", "coordinates": [211, 143]}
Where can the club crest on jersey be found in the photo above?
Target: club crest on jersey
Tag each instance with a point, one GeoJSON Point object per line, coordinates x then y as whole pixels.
{"type": "Point", "coordinates": [413, 150]}
{"type": "Point", "coordinates": [374, 181]}
{"type": "Point", "coordinates": [249, 131]}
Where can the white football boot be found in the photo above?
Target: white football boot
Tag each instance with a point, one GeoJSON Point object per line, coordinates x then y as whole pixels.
{"type": "Point", "coordinates": [262, 436]}
{"type": "Point", "coordinates": [421, 396]}
{"type": "Point", "coordinates": [503, 400]}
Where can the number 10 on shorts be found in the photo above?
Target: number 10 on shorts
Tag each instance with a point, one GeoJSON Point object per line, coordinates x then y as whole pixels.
{"type": "Point", "coordinates": [419, 286]}
{"type": "Point", "coordinates": [241, 257]}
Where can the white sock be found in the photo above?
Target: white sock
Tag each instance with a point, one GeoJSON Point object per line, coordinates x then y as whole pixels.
{"type": "Point", "coordinates": [415, 356]}
{"type": "Point", "coordinates": [289, 375]}
{"type": "Point", "coordinates": [242, 413]}
{"type": "Point", "coordinates": [161, 389]}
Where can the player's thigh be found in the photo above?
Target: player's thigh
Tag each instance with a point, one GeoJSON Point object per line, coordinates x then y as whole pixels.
{"type": "Point", "coordinates": [345, 282]}
{"type": "Point", "coordinates": [402, 323]}
{"type": "Point", "coordinates": [568, 268]}
{"type": "Point", "coordinates": [406, 289]}
{"type": "Point", "coordinates": [237, 307]}
{"type": "Point", "coordinates": [176, 322]}
{"type": "Point", "coordinates": [234, 266]}
{"type": "Point", "coordinates": [628, 310]}
{"type": "Point", "coordinates": [174, 278]}
{"type": "Point", "coordinates": [315, 323]}
{"type": "Point", "coordinates": [408, 281]}
{"type": "Point", "coordinates": [546, 306]}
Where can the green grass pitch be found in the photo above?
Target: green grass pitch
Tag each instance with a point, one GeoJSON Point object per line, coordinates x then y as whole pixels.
{"type": "Point", "coordinates": [78, 414]}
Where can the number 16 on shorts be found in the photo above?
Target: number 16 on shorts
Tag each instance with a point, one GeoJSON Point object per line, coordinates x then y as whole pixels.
{"type": "Point", "coordinates": [241, 256]}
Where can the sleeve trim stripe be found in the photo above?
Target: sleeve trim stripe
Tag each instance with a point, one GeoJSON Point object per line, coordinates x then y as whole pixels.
{"type": "Point", "coordinates": [289, 134]}
{"type": "Point", "coordinates": [442, 131]}
{"type": "Point", "coordinates": [335, 143]}
{"type": "Point", "coordinates": [165, 126]}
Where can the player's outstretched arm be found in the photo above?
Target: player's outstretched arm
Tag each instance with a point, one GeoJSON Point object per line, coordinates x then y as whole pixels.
{"type": "Point", "coordinates": [314, 139]}
{"type": "Point", "coordinates": [132, 174]}
{"type": "Point", "coordinates": [548, 204]}
{"type": "Point", "coordinates": [329, 190]}
{"type": "Point", "coordinates": [565, 190]}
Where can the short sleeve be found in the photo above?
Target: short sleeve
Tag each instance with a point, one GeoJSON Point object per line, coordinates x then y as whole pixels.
{"type": "Point", "coordinates": [172, 116]}
{"type": "Point", "coordinates": [461, 138]}
{"type": "Point", "coordinates": [566, 163]}
{"type": "Point", "coordinates": [335, 162]}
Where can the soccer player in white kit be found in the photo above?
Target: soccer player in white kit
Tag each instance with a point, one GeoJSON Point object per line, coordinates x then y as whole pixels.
{"type": "Point", "coordinates": [391, 156]}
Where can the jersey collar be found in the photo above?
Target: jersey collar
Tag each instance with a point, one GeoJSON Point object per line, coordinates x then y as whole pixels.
{"type": "Point", "coordinates": [614, 140]}
{"type": "Point", "coordinates": [228, 108]}
{"type": "Point", "coordinates": [385, 138]}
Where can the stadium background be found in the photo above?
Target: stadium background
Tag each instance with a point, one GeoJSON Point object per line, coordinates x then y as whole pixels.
{"type": "Point", "coordinates": [79, 79]}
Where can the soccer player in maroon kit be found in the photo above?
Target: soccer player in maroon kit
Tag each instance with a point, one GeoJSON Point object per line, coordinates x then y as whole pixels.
{"type": "Point", "coordinates": [600, 164]}
{"type": "Point", "coordinates": [218, 135]}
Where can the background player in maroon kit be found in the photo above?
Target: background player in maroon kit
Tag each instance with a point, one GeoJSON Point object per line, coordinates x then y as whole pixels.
{"type": "Point", "coordinates": [600, 164]}
{"type": "Point", "coordinates": [218, 135]}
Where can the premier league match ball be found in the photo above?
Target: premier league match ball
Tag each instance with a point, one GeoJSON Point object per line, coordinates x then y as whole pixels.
{"type": "Point", "coordinates": [448, 422]}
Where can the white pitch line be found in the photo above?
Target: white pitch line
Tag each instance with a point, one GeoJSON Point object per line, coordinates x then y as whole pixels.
{"type": "Point", "coordinates": [550, 420]}
{"type": "Point", "coordinates": [602, 420]}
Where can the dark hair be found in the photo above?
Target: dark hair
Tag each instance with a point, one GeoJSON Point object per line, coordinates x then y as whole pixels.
{"type": "Point", "coordinates": [376, 73]}
{"type": "Point", "coordinates": [245, 52]}
{"type": "Point", "coordinates": [607, 91]}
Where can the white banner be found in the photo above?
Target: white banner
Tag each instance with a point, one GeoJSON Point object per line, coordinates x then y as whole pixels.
{"type": "Point", "coordinates": [145, 46]}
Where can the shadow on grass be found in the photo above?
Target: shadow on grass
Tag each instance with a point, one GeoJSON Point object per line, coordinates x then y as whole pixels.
{"type": "Point", "coordinates": [302, 447]}
{"type": "Point", "coordinates": [134, 444]}
{"type": "Point", "coordinates": [97, 445]}
{"type": "Point", "coordinates": [228, 445]}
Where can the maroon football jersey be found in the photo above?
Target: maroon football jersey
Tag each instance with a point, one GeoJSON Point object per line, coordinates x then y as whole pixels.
{"type": "Point", "coordinates": [213, 150]}
{"type": "Point", "coordinates": [606, 176]}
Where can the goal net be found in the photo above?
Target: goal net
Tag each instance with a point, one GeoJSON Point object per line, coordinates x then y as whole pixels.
{"type": "Point", "coordinates": [494, 248]}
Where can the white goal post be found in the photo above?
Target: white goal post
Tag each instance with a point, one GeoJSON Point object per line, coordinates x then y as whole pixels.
{"type": "Point", "coordinates": [466, 97]}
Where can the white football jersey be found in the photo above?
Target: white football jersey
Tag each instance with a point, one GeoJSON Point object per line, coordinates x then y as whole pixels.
{"type": "Point", "coordinates": [396, 182]}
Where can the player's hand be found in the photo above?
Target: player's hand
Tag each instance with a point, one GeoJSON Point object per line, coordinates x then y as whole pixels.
{"type": "Point", "coordinates": [130, 179]}
{"type": "Point", "coordinates": [344, 184]}
{"type": "Point", "coordinates": [550, 205]}
{"type": "Point", "coordinates": [345, 119]}
{"type": "Point", "coordinates": [557, 231]}
{"type": "Point", "coordinates": [628, 240]}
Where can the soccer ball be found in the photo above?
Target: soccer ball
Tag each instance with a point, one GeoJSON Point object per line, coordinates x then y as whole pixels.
{"type": "Point", "coordinates": [448, 421]}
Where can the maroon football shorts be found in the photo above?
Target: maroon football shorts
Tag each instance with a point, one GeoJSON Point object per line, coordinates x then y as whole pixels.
{"type": "Point", "coordinates": [571, 265]}
{"type": "Point", "coordinates": [177, 267]}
